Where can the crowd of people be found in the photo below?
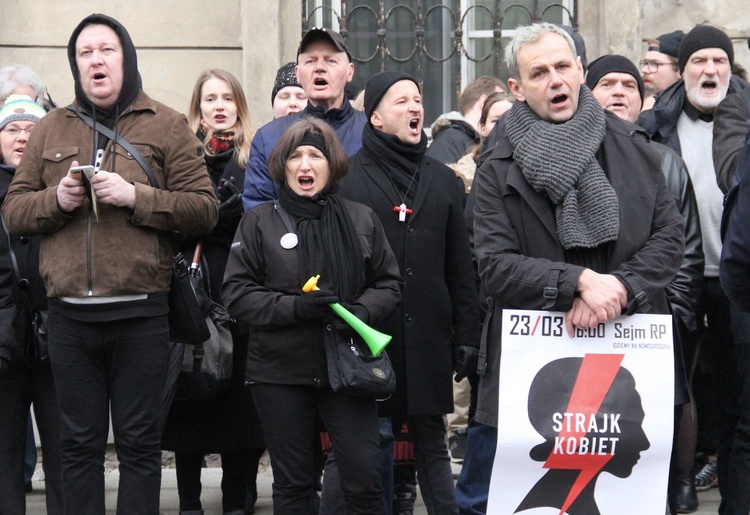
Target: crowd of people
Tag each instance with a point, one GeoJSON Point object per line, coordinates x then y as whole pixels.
{"type": "Point", "coordinates": [589, 188]}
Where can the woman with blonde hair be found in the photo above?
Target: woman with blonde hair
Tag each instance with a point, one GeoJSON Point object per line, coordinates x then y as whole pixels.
{"type": "Point", "coordinates": [228, 424]}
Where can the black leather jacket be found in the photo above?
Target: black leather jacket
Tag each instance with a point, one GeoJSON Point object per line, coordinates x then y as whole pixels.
{"type": "Point", "coordinates": [683, 292]}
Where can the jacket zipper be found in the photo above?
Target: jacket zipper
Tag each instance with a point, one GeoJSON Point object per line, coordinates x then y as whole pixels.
{"type": "Point", "coordinates": [88, 255]}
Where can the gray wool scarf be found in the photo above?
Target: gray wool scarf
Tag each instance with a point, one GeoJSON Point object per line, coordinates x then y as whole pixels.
{"type": "Point", "coordinates": [559, 161]}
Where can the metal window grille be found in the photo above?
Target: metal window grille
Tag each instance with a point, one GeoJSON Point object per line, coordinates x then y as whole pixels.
{"type": "Point", "coordinates": [444, 44]}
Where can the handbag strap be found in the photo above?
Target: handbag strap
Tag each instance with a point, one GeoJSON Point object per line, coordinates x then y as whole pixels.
{"type": "Point", "coordinates": [284, 217]}
{"type": "Point", "coordinates": [119, 140]}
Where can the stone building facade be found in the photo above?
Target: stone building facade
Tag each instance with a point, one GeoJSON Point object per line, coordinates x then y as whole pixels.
{"type": "Point", "coordinates": [177, 39]}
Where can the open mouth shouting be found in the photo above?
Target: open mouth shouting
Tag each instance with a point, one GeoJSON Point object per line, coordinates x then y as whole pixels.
{"type": "Point", "coordinates": [320, 83]}
{"type": "Point", "coordinates": [709, 87]}
{"type": "Point", "coordinates": [415, 125]}
{"type": "Point", "coordinates": [559, 100]}
{"type": "Point", "coordinates": [306, 182]}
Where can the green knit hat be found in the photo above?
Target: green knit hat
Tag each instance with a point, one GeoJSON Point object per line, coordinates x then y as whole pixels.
{"type": "Point", "coordinates": [19, 108]}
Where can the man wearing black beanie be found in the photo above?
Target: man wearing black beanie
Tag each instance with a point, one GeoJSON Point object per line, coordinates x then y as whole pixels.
{"type": "Point", "coordinates": [683, 118]}
{"type": "Point", "coordinates": [616, 84]}
{"type": "Point", "coordinates": [435, 331]}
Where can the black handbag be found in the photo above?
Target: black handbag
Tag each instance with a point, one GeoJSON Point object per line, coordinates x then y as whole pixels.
{"type": "Point", "coordinates": [187, 322]}
{"type": "Point", "coordinates": [41, 340]}
{"type": "Point", "coordinates": [353, 370]}
{"type": "Point", "coordinates": [206, 365]}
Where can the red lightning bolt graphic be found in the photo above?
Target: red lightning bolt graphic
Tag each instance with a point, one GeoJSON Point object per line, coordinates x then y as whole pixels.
{"type": "Point", "coordinates": [592, 384]}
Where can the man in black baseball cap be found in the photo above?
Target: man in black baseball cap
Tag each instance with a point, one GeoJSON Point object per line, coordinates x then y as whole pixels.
{"type": "Point", "coordinates": [323, 34]}
{"type": "Point", "coordinates": [324, 68]}
{"type": "Point", "coordinates": [659, 66]}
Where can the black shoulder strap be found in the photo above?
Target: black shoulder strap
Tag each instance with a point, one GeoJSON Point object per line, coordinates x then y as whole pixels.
{"type": "Point", "coordinates": [13, 259]}
{"type": "Point", "coordinates": [284, 216]}
{"type": "Point", "coordinates": [119, 140]}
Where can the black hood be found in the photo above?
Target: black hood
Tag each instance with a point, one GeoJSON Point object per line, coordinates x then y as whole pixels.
{"type": "Point", "coordinates": [131, 82]}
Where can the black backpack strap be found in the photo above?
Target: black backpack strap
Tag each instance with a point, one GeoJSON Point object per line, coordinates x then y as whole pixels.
{"type": "Point", "coordinates": [101, 129]}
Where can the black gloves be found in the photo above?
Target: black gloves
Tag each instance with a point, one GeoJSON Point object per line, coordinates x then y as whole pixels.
{"type": "Point", "coordinates": [314, 305]}
{"type": "Point", "coordinates": [4, 364]}
{"type": "Point", "coordinates": [231, 208]}
{"type": "Point", "coordinates": [465, 359]}
{"type": "Point", "coordinates": [230, 205]}
{"type": "Point", "coordinates": [345, 329]}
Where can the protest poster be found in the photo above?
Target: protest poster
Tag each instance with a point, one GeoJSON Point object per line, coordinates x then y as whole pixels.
{"type": "Point", "coordinates": [585, 422]}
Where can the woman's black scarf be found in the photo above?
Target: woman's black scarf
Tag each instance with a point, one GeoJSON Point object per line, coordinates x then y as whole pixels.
{"type": "Point", "coordinates": [559, 160]}
{"type": "Point", "coordinates": [328, 241]}
{"type": "Point", "coordinates": [400, 160]}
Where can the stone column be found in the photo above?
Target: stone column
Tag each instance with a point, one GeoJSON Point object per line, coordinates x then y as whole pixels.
{"type": "Point", "coordinates": [270, 35]}
{"type": "Point", "coordinates": [611, 27]}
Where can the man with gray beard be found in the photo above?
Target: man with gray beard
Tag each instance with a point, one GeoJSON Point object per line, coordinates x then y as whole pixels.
{"type": "Point", "coordinates": [682, 118]}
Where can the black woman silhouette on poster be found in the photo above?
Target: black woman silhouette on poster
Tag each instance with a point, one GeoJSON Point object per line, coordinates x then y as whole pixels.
{"type": "Point", "coordinates": [591, 415]}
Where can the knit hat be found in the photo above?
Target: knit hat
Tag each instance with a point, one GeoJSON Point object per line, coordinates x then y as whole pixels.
{"type": "Point", "coordinates": [704, 36]}
{"type": "Point", "coordinates": [600, 67]}
{"type": "Point", "coordinates": [284, 77]}
{"type": "Point", "coordinates": [20, 108]}
{"type": "Point", "coordinates": [378, 86]}
{"type": "Point", "coordinates": [669, 44]}
{"type": "Point", "coordinates": [324, 34]}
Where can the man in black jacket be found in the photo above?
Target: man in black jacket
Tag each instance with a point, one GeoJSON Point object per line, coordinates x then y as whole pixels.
{"type": "Point", "coordinates": [572, 214]}
{"type": "Point", "coordinates": [436, 328]}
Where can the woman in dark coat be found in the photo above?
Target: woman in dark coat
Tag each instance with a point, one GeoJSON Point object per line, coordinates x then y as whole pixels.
{"type": "Point", "coordinates": [310, 230]}
{"type": "Point", "coordinates": [25, 372]}
{"type": "Point", "coordinates": [229, 424]}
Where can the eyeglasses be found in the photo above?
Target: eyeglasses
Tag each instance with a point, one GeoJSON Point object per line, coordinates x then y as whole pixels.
{"type": "Point", "coordinates": [16, 131]}
{"type": "Point", "coordinates": [652, 66]}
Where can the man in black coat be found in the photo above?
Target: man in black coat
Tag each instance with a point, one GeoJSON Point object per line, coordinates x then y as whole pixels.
{"type": "Point", "coordinates": [436, 329]}
{"type": "Point", "coordinates": [572, 214]}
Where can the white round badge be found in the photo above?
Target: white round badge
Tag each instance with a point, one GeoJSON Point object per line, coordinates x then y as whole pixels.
{"type": "Point", "coordinates": [289, 240]}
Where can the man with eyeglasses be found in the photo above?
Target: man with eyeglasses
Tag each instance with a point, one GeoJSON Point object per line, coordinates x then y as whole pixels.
{"type": "Point", "coordinates": [659, 68]}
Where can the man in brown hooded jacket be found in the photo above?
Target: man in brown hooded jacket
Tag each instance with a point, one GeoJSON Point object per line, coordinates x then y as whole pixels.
{"type": "Point", "coordinates": [108, 277]}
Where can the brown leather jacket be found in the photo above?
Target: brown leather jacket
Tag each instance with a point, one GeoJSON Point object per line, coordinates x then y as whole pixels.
{"type": "Point", "coordinates": [127, 252]}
